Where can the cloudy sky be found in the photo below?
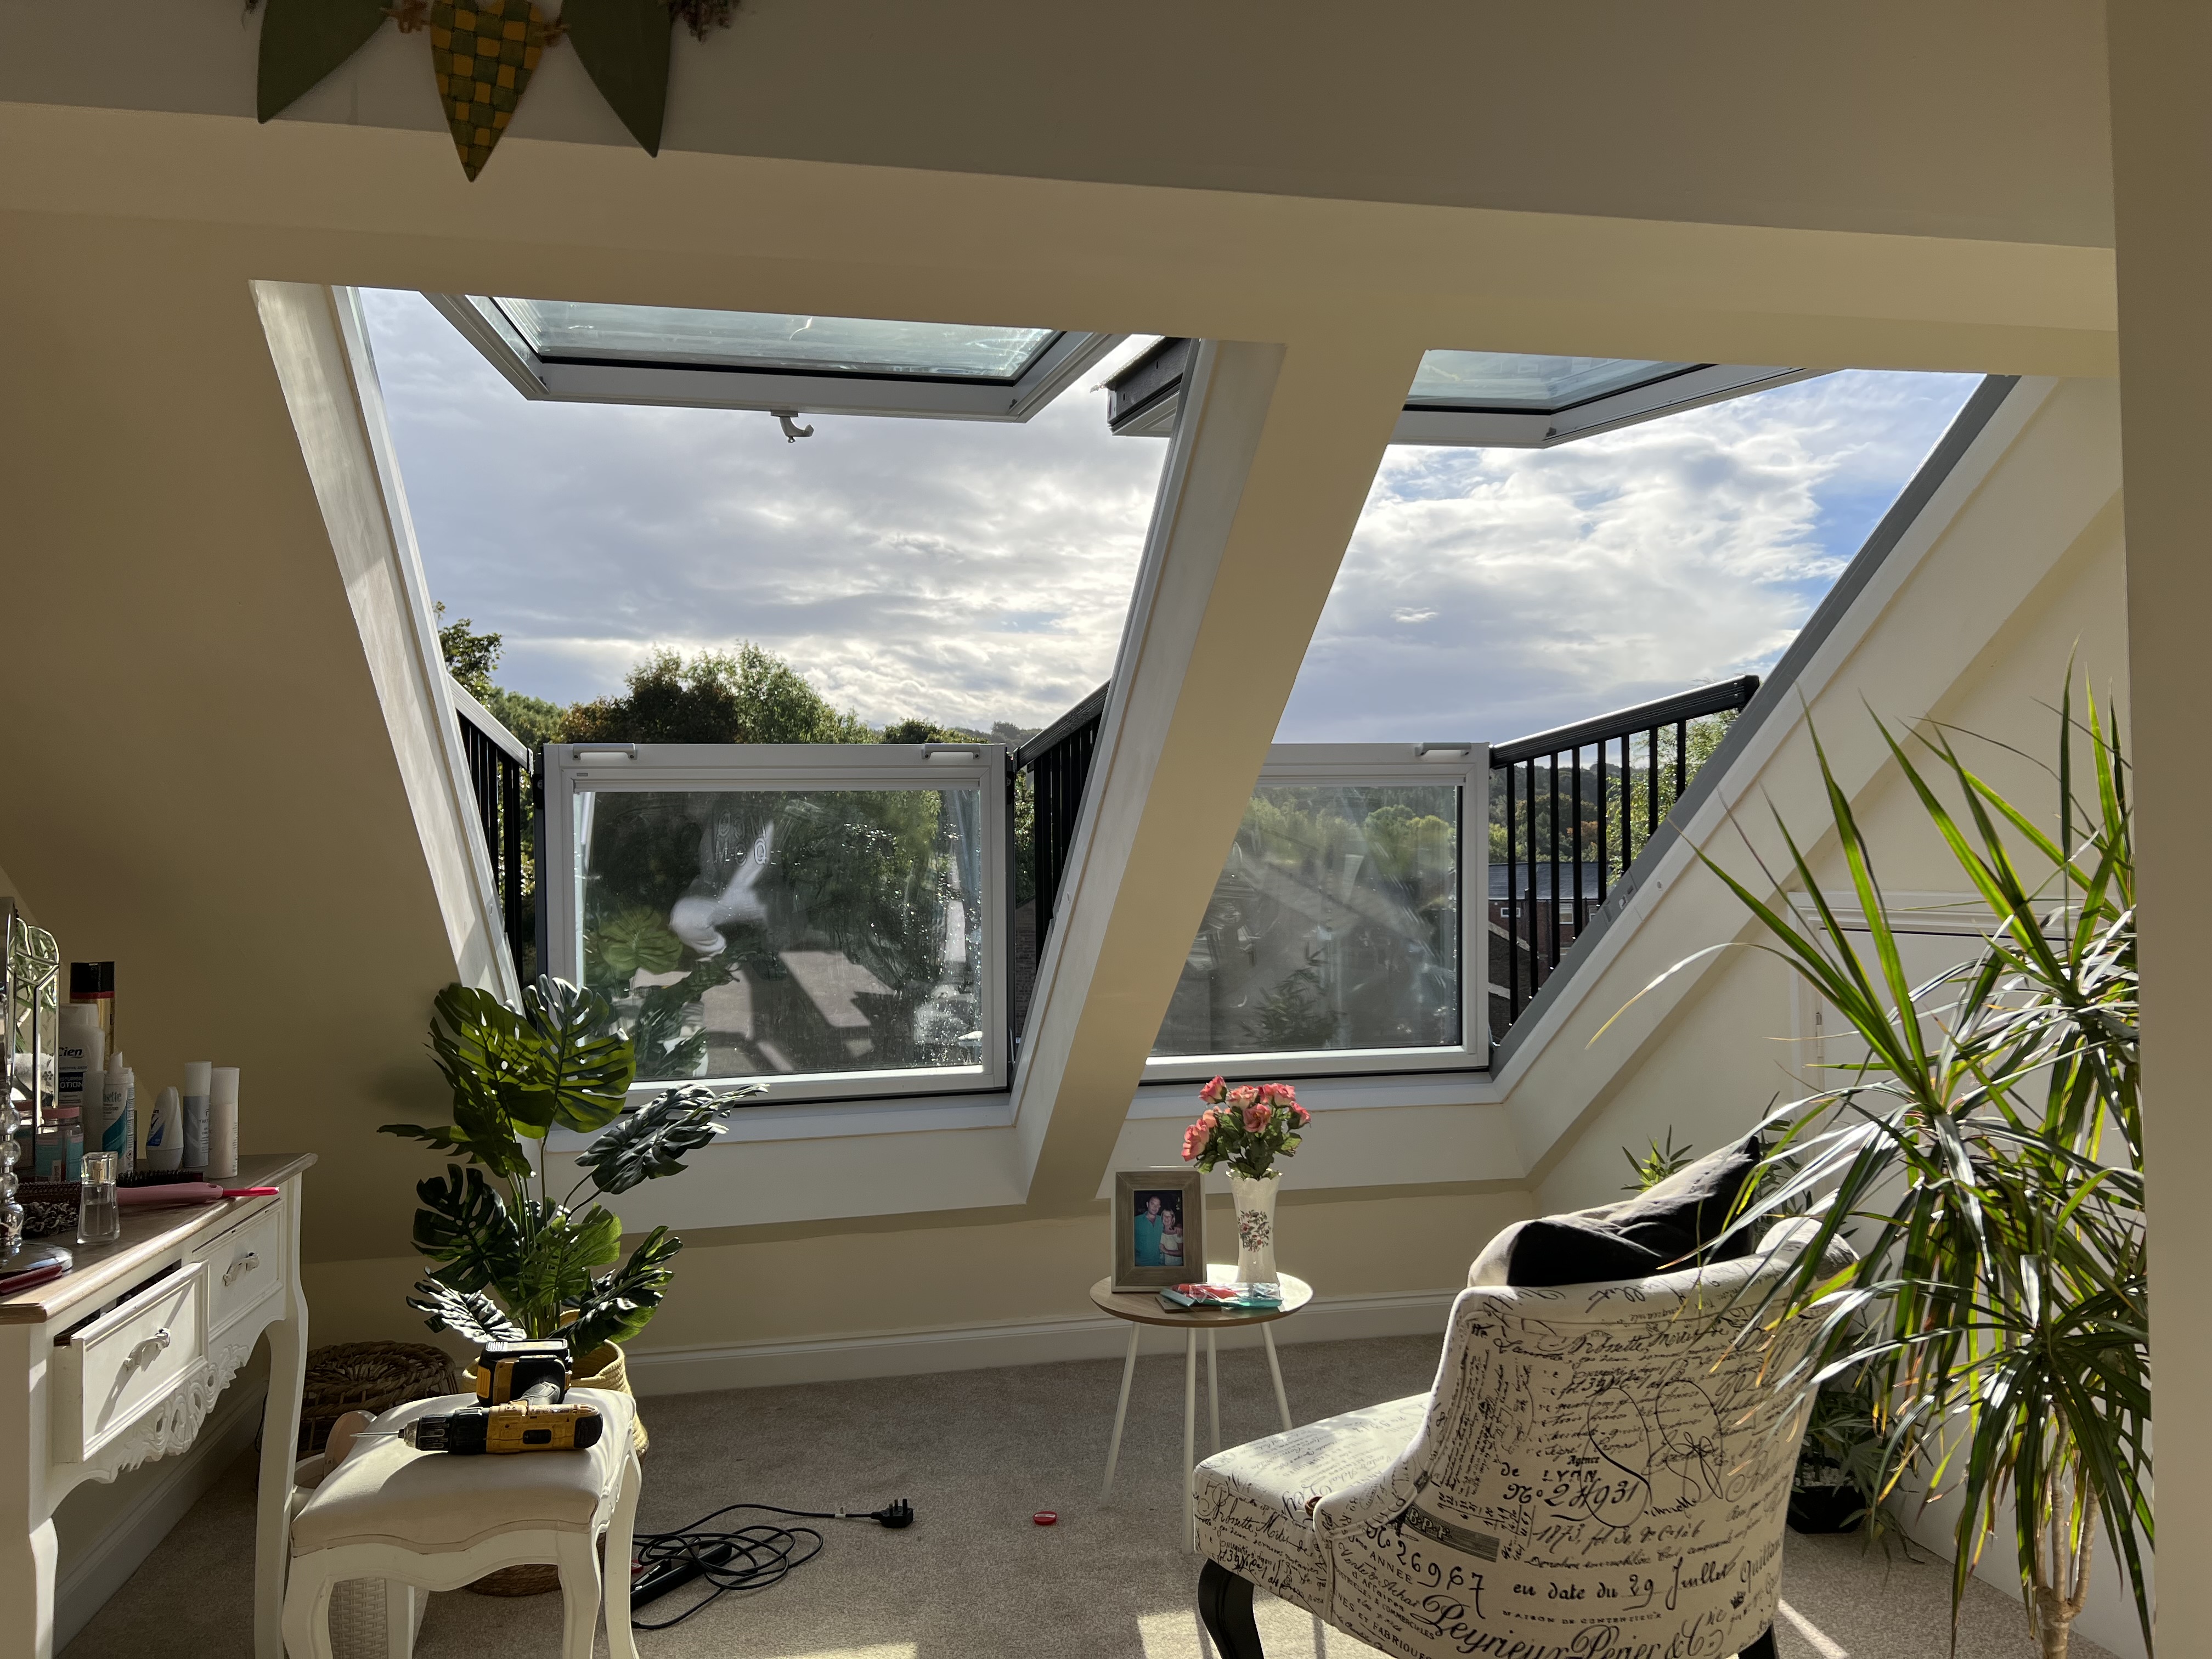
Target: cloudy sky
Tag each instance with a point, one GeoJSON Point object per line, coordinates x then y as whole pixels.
{"type": "Point", "coordinates": [969, 573]}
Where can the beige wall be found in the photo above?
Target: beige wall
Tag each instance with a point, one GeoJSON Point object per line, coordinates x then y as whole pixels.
{"type": "Point", "coordinates": [830, 1284]}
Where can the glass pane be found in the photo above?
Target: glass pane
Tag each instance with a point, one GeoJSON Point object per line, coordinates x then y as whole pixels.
{"type": "Point", "coordinates": [1335, 925]}
{"type": "Point", "coordinates": [766, 340]}
{"type": "Point", "coordinates": [1499, 380]}
{"type": "Point", "coordinates": [760, 933]}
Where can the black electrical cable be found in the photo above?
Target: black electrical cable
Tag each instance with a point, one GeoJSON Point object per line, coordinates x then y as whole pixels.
{"type": "Point", "coordinates": [750, 1558]}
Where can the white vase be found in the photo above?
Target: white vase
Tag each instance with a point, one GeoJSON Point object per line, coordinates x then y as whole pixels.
{"type": "Point", "coordinates": [1255, 1228]}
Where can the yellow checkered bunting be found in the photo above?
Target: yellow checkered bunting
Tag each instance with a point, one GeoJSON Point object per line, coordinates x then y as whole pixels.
{"type": "Point", "coordinates": [483, 54]}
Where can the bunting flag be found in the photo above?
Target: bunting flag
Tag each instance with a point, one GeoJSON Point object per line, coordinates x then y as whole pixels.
{"type": "Point", "coordinates": [483, 52]}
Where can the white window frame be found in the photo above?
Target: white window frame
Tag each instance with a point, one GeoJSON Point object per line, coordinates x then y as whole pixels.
{"type": "Point", "coordinates": [686, 385]}
{"type": "Point", "coordinates": [572, 770]}
{"type": "Point", "coordinates": [1361, 764]}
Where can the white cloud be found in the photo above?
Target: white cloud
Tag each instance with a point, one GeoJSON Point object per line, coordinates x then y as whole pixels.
{"type": "Point", "coordinates": [970, 573]}
{"type": "Point", "coordinates": [957, 570]}
{"type": "Point", "coordinates": [1554, 585]}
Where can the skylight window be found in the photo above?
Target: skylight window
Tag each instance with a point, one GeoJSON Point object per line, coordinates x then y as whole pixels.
{"type": "Point", "coordinates": [586, 352]}
{"type": "Point", "coordinates": [1484, 400]}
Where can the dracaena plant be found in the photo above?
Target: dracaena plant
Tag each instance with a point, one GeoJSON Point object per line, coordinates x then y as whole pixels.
{"type": "Point", "coordinates": [514, 1259]}
{"type": "Point", "coordinates": [1987, 1154]}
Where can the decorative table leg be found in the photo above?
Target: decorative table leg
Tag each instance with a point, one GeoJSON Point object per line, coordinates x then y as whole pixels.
{"type": "Point", "coordinates": [26, 1593]}
{"type": "Point", "coordinates": [1275, 1370]}
{"type": "Point", "coordinates": [1190, 1439]}
{"type": "Point", "coordinates": [1120, 1414]}
{"type": "Point", "coordinates": [280, 1440]}
{"type": "Point", "coordinates": [1213, 1389]}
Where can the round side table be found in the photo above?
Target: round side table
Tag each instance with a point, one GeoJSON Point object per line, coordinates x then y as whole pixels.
{"type": "Point", "coordinates": [1142, 1308]}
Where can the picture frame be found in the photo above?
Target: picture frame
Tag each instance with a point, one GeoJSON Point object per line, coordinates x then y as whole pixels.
{"type": "Point", "coordinates": [1171, 1249]}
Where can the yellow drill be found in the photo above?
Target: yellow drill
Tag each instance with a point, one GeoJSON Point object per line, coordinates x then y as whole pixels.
{"type": "Point", "coordinates": [524, 1386]}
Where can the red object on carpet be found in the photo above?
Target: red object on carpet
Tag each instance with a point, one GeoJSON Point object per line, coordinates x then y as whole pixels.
{"type": "Point", "coordinates": [1046, 1517]}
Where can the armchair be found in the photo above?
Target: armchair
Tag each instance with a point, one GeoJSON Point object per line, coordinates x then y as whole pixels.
{"type": "Point", "coordinates": [1600, 1472]}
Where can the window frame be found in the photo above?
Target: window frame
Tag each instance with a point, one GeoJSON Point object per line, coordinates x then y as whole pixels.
{"type": "Point", "coordinates": [1363, 764]}
{"type": "Point", "coordinates": [686, 385]}
{"type": "Point", "coordinates": [574, 769]}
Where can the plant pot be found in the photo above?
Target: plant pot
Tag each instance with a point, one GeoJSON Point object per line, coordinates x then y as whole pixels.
{"type": "Point", "coordinates": [1825, 1509]}
{"type": "Point", "coordinates": [1254, 1202]}
{"type": "Point", "coordinates": [602, 1368]}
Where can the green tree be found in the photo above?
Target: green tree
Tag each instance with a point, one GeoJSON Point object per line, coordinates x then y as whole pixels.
{"type": "Point", "coordinates": [744, 696]}
{"type": "Point", "coordinates": [471, 657]}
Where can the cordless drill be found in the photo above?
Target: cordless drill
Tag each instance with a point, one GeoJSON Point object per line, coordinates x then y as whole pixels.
{"type": "Point", "coordinates": [524, 1386]}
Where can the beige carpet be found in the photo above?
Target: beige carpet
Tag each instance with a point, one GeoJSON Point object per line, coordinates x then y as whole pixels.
{"type": "Point", "coordinates": [978, 1453]}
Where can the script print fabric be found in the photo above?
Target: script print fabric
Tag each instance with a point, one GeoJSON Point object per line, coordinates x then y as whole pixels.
{"type": "Point", "coordinates": [1601, 1472]}
{"type": "Point", "coordinates": [1254, 1503]}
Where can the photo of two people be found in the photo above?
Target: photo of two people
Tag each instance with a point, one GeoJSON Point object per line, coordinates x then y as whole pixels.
{"type": "Point", "coordinates": [1157, 1228]}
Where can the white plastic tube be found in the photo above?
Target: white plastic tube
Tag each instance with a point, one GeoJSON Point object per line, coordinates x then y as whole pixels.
{"type": "Point", "coordinates": [165, 1133]}
{"type": "Point", "coordinates": [199, 1075]}
{"type": "Point", "coordinates": [222, 1122]}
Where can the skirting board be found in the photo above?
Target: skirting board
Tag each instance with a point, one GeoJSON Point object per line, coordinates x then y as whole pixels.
{"type": "Point", "coordinates": [1035, 1342]}
{"type": "Point", "coordinates": [177, 1484]}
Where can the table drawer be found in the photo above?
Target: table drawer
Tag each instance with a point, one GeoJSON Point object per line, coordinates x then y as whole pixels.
{"type": "Point", "coordinates": [245, 1267]}
{"type": "Point", "coordinates": [126, 1362]}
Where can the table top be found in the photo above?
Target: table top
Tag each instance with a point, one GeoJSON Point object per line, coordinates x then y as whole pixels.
{"type": "Point", "coordinates": [1143, 1307]}
{"type": "Point", "coordinates": [147, 1235]}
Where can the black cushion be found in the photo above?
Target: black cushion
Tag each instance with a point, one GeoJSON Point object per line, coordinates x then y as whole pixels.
{"type": "Point", "coordinates": [1654, 1232]}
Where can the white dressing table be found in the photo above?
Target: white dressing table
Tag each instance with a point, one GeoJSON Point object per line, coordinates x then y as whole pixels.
{"type": "Point", "coordinates": [119, 1361]}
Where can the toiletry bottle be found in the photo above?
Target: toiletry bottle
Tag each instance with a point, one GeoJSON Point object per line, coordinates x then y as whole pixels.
{"type": "Point", "coordinates": [115, 1115]}
{"type": "Point", "coordinates": [98, 1220]}
{"type": "Point", "coordinates": [93, 983]}
{"type": "Point", "coordinates": [198, 1079]}
{"type": "Point", "coordinates": [83, 1057]}
{"type": "Point", "coordinates": [222, 1123]}
{"type": "Point", "coordinates": [165, 1133]}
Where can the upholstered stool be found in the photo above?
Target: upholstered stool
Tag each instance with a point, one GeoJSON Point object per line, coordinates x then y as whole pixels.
{"type": "Point", "coordinates": [437, 1522]}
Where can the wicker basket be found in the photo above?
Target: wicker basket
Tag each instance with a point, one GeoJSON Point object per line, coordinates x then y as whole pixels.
{"type": "Point", "coordinates": [367, 1376]}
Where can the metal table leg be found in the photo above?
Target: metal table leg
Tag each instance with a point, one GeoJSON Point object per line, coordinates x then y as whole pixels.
{"type": "Point", "coordinates": [1190, 1439]}
{"type": "Point", "coordinates": [1120, 1414]}
{"type": "Point", "coordinates": [1275, 1370]}
{"type": "Point", "coordinates": [1213, 1388]}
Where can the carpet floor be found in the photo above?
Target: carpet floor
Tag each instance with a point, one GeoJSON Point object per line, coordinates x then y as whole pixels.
{"type": "Point", "coordinates": [978, 1453]}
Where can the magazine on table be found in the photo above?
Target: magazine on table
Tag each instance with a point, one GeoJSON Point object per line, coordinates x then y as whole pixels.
{"type": "Point", "coordinates": [1179, 1297]}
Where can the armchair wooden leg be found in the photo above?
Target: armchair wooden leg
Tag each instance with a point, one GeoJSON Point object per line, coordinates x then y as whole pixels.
{"type": "Point", "coordinates": [1224, 1607]}
{"type": "Point", "coordinates": [1761, 1649]}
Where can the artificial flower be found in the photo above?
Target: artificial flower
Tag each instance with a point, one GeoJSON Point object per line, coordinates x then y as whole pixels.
{"type": "Point", "coordinates": [1256, 1116]}
{"type": "Point", "coordinates": [1195, 1138]}
{"type": "Point", "coordinates": [1215, 1092]}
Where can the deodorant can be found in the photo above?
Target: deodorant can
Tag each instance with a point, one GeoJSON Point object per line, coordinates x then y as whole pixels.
{"type": "Point", "coordinates": [198, 1077]}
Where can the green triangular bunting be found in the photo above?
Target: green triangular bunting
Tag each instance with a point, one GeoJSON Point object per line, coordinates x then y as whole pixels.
{"type": "Point", "coordinates": [623, 45]}
{"type": "Point", "coordinates": [303, 40]}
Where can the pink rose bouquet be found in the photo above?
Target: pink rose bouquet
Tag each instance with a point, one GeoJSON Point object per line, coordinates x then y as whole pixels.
{"type": "Point", "coordinates": [1247, 1127]}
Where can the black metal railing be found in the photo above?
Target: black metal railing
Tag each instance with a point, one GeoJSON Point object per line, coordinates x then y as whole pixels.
{"type": "Point", "coordinates": [503, 776]}
{"type": "Point", "coordinates": [1054, 767]}
{"type": "Point", "coordinates": [1571, 830]}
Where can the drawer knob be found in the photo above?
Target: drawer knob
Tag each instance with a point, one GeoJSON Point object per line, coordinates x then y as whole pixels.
{"type": "Point", "coordinates": [151, 1349]}
{"type": "Point", "coordinates": [238, 1269]}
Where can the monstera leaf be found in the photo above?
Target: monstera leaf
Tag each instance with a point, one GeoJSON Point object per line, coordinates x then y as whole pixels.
{"type": "Point", "coordinates": [466, 1225]}
{"type": "Point", "coordinates": [490, 1056]}
{"type": "Point", "coordinates": [584, 1066]}
{"type": "Point", "coordinates": [478, 1318]}
{"type": "Point", "coordinates": [653, 1141]}
{"type": "Point", "coordinates": [554, 1272]}
{"type": "Point", "coordinates": [622, 1303]}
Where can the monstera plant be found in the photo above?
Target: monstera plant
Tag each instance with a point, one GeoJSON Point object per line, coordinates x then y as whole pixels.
{"type": "Point", "coordinates": [514, 1259]}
